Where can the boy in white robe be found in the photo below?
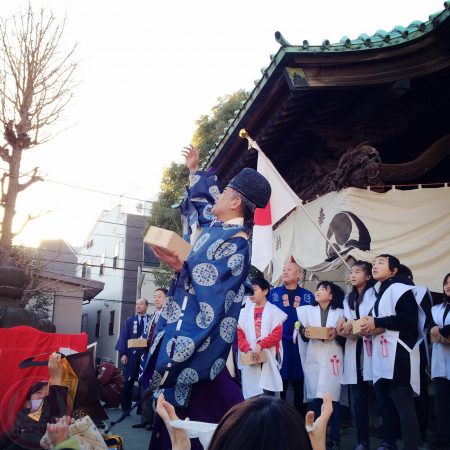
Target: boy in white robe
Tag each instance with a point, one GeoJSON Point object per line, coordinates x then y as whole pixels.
{"type": "Point", "coordinates": [323, 359]}
{"type": "Point", "coordinates": [260, 330]}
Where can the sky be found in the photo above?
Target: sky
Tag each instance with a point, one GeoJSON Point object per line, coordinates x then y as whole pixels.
{"type": "Point", "coordinates": [147, 71]}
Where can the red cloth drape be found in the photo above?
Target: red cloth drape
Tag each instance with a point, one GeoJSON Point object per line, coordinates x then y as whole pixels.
{"type": "Point", "coordinates": [17, 344]}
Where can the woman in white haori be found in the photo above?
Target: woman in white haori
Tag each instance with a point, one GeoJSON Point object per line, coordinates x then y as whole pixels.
{"type": "Point", "coordinates": [323, 358]}
{"type": "Point", "coordinates": [358, 349]}
{"type": "Point", "coordinates": [395, 357]}
{"type": "Point", "coordinates": [260, 329]}
{"type": "Point", "coordinates": [440, 365]}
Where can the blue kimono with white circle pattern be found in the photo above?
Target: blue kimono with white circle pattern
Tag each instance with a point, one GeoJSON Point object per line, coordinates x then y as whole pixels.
{"type": "Point", "coordinates": [198, 323]}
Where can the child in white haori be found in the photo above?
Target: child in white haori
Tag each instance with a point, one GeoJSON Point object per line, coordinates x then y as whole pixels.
{"type": "Point", "coordinates": [440, 365]}
{"type": "Point", "coordinates": [260, 329]}
{"type": "Point", "coordinates": [323, 358]}
{"type": "Point", "coordinates": [358, 349]}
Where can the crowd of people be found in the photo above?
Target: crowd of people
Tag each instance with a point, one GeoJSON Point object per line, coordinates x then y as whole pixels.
{"type": "Point", "coordinates": [224, 349]}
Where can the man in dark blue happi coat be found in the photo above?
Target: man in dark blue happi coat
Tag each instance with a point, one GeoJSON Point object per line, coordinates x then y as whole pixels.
{"type": "Point", "coordinates": [288, 297]}
{"type": "Point", "coordinates": [130, 356]}
{"type": "Point", "coordinates": [188, 358]}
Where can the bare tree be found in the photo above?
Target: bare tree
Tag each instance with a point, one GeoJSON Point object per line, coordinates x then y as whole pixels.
{"type": "Point", "coordinates": [36, 84]}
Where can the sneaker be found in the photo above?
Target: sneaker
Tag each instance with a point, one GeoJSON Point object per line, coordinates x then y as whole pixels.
{"type": "Point", "coordinates": [362, 446]}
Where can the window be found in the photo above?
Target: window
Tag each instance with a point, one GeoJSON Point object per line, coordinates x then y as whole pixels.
{"type": "Point", "coordinates": [86, 269]}
{"type": "Point", "coordinates": [89, 243]}
{"type": "Point", "coordinates": [84, 323]}
{"type": "Point", "coordinates": [111, 322]}
{"type": "Point", "coordinates": [102, 264]}
{"type": "Point", "coordinates": [116, 256]}
{"type": "Point", "coordinates": [97, 325]}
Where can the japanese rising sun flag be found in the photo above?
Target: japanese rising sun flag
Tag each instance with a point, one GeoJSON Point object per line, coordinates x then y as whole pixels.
{"type": "Point", "coordinates": [282, 200]}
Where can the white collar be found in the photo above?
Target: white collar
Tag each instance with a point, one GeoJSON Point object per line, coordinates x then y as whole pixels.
{"type": "Point", "coordinates": [236, 221]}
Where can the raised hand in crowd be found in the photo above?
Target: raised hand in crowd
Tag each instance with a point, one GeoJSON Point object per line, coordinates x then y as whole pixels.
{"type": "Point", "coordinates": [178, 437]}
{"type": "Point", "coordinates": [55, 369]}
{"type": "Point", "coordinates": [58, 432]}
{"type": "Point", "coordinates": [317, 430]}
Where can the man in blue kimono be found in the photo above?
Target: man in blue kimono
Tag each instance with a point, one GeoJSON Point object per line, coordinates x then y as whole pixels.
{"type": "Point", "coordinates": [129, 351]}
{"type": "Point", "coordinates": [147, 409]}
{"type": "Point", "coordinates": [288, 297]}
{"type": "Point", "coordinates": [188, 358]}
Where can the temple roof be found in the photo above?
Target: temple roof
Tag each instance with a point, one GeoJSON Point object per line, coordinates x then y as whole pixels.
{"type": "Point", "coordinates": [330, 96]}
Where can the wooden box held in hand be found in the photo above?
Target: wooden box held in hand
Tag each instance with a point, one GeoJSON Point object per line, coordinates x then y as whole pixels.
{"type": "Point", "coordinates": [356, 325]}
{"type": "Point", "coordinates": [137, 343]}
{"type": "Point", "coordinates": [319, 332]}
{"type": "Point", "coordinates": [246, 358]}
{"type": "Point", "coordinates": [168, 240]}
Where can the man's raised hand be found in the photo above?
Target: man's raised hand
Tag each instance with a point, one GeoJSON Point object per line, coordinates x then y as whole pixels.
{"type": "Point", "coordinates": [192, 155]}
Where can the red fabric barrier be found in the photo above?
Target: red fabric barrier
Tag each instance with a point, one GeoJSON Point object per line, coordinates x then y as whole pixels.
{"type": "Point", "coordinates": [17, 344]}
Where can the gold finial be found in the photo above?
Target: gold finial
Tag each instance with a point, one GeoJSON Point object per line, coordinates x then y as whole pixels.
{"type": "Point", "coordinates": [243, 134]}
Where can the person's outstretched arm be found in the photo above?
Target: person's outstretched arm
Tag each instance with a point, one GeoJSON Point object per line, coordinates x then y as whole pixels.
{"type": "Point", "coordinates": [178, 437]}
{"type": "Point", "coordinates": [317, 430]}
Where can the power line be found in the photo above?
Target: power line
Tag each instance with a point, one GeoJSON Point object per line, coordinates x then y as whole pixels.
{"type": "Point", "coordinates": [93, 299]}
{"type": "Point", "coordinates": [97, 191]}
{"type": "Point", "coordinates": [106, 267]}
{"type": "Point", "coordinates": [123, 224]}
{"type": "Point", "coordinates": [86, 255]}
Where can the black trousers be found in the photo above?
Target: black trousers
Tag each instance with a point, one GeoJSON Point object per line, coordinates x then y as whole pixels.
{"type": "Point", "coordinates": [147, 410]}
{"type": "Point", "coordinates": [297, 385]}
{"type": "Point", "coordinates": [390, 397]}
{"type": "Point", "coordinates": [422, 404]}
{"type": "Point", "coordinates": [360, 398]}
{"type": "Point", "coordinates": [126, 397]}
{"type": "Point", "coordinates": [442, 404]}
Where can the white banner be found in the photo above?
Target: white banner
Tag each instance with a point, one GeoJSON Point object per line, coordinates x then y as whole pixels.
{"type": "Point", "coordinates": [412, 225]}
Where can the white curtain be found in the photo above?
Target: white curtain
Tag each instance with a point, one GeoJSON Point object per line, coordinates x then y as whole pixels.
{"type": "Point", "coordinates": [412, 225]}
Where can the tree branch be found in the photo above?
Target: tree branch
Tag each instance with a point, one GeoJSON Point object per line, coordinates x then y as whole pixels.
{"type": "Point", "coordinates": [4, 154]}
{"type": "Point", "coordinates": [2, 188]}
{"type": "Point", "coordinates": [28, 220]}
{"type": "Point", "coordinates": [36, 83]}
{"type": "Point", "coordinates": [33, 178]}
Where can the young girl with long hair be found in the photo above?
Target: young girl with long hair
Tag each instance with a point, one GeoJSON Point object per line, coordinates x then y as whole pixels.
{"type": "Point", "coordinates": [358, 349]}
{"type": "Point", "coordinates": [323, 358]}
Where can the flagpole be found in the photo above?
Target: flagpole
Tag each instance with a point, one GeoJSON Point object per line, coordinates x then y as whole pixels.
{"type": "Point", "coordinates": [324, 235]}
{"type": "Point", "coordinates": [252, 144]}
